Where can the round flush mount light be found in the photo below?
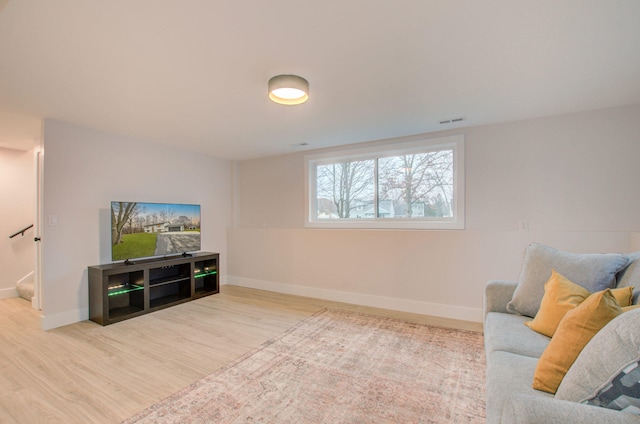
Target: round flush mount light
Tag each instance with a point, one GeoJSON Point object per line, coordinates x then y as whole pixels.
{"type": "Point", "coordinates": [288, 89]}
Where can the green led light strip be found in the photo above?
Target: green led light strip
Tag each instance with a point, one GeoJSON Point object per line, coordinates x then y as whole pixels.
{"type": "Point", "coordinates": [205, 274]}
{"type": "Point", "coordinates": [133, 288]}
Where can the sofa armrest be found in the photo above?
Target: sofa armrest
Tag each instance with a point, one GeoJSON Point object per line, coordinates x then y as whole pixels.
{"type": "Point", "coordinates": [497, 293]}
{"type": "Point", "coordinates": [523, 409]}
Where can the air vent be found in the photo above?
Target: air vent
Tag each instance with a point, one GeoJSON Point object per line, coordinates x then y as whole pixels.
{"type": "Point", "coordinates": [453, 120]}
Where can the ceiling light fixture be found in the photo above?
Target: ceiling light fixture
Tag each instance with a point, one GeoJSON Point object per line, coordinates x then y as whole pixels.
{"type": "Point", "coordinates": [288, 89]}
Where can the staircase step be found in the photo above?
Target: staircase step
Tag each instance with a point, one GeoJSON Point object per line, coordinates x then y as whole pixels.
{"type": "Point", "coordinates": [25, 290]}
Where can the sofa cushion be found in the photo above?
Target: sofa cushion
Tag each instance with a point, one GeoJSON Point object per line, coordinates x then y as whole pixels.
{"type": "Point", "coordinates": [593, 271]}
{"type": "Point", "coordinates": [560, 296]}
{"type": "Point", "coordinates": [507, 332]}
{"type": "Point", "coordinates": [576, 329]}
{"type": "Point", "coordinates": [630, 275]}
{"type": "Point", "coordinates": [526, 409]}
{"type": "Point", "coordinates": [508, 374]}
{"type": "Point", "coordinates": [604, 362]}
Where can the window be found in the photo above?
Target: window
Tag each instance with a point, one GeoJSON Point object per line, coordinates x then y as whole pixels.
{"type": "Point", "coordinates": [415, 184]}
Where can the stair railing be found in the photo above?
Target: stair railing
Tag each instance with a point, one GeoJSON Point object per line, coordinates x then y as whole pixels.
{"type": "Point", "coordinates": [21, 231]}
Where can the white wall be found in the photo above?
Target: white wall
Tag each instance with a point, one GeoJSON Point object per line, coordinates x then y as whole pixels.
{"type": "Point", "coordinates": [573, 178]}
{"type": "Point", "coordinates": [17, 192]}
{"type": "Point", "coordinates": [84, 170]}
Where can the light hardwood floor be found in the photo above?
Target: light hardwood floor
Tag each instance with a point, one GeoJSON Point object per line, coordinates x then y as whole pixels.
{"type": "Point", "coordinates": [86, 373]}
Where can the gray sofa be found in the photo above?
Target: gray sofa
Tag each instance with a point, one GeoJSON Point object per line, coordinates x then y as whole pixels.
{"type": "Point", "coordinates": [513, 349]}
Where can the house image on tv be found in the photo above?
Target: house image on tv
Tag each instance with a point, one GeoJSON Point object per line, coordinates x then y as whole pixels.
{"type": "Point", "coordinates": [163, 227]}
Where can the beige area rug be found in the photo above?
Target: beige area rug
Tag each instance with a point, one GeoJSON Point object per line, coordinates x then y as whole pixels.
{"type": "Point", "coordinates": [342, 367]}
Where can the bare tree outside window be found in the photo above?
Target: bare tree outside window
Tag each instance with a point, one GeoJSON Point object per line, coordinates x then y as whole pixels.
{"type": "Point", "coordinates": [410, 184]}
{"type": "Point", "coordinates": [416, 185]}
{"type": "Point", "coordinates": [342, 187]}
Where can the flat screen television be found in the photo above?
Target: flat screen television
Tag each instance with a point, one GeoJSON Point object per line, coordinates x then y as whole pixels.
{"type": "Point", "coordinates": [145, 230]}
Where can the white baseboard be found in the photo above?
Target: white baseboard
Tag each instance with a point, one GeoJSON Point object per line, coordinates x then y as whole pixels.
{"type": "Point", "coordinates": [48, 322]}
{"type": "Point", "coordinates": [8, 293]}
{"type": "Point", "coordinates": [404, 305]}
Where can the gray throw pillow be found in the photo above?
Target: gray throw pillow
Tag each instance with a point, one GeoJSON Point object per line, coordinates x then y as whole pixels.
{"type": "Point", "coordinates": [593, 271]}
{"type": "Point", "coordinates": [630, 275]}
{"type": "Point", "coordinates": [606, 373]}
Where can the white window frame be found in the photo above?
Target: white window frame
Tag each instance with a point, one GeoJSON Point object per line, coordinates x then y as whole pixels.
{"type": "Point", "coordinates": [456, 222]}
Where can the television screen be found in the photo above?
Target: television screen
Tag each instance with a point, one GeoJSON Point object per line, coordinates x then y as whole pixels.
{"type": "Point", "coordinates": [141, 230]}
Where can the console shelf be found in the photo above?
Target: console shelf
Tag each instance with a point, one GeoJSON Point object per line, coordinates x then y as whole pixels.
{"type": "Point", "coordinates": [121, 291]}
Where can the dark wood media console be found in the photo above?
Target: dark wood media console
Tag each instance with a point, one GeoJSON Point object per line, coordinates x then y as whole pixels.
{"type": "Point", "coordinates": [119, 291]}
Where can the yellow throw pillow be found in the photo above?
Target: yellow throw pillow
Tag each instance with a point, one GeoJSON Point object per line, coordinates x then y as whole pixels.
{"type": "Point", "coordinates": [629, 308]}
{"type": "Point", "coordinates": [575, 330]}
{"type": "Point", "coordinates": [560, 296]}
{"type": "Point", "coordinates": [623, 295]}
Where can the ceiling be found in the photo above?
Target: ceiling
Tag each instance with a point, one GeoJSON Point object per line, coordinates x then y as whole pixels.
{"type": "Point", "coordinates": [193, 73]}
